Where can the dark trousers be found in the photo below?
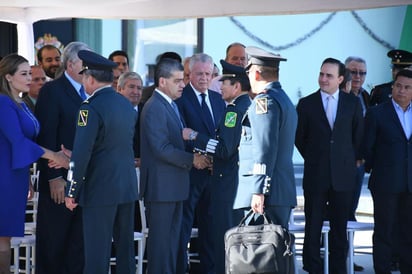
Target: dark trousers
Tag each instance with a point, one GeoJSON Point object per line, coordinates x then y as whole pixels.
{"type": "Point", "coordinates": [59, 238]}
{"type": "Point", "coordinates": [223, 220]}
{"type": "Point", "coordinates": [199, 200]}
{"type": "Point", "coordinates": [338, 205]}
{"type": "Point", "coordinates": [360, 174]}
{"type": "Point", "coordinates": [392, 210]}
{"type": "Point", "coordinates": [164, 220]}
{"type": "Point", "coordinates": [101, 225]}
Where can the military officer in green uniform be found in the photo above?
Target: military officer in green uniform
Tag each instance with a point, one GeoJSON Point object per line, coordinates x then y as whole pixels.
{"type": "Point", "coordinates": [102, 178]}
{"type": "Point", "coordinates": [224, 150]}
{"type": "Point", "coordinates": [401, 59]}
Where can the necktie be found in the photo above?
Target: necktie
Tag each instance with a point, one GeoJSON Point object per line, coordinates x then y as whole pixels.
{"type": "Point", "coordinates": [206, 112]}
{"type": "Point", "coordinates": [176, 109]}
{"type": "Point", "coordinates": [329, 110]}
{"type": "Point", "coordinates": [82, 93]}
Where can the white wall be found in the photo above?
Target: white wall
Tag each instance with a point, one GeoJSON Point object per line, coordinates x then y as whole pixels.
{"type": "Point", "coordinates": [342, 37]}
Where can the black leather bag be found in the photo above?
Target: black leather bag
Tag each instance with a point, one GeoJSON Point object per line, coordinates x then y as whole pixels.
{"type": "Point", "coordinates": [265, 248]}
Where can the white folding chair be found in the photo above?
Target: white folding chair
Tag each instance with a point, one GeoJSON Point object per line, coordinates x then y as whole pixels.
{"type": "Point", "coordinates": [351, 228]}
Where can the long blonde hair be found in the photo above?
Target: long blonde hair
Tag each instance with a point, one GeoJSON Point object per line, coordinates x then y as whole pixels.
{"type": "Point", "coordinates": [9, 65]}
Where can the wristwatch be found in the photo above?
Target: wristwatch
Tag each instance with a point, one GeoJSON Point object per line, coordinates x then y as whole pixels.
{"type": "Point", "coordinates": [192, 135]}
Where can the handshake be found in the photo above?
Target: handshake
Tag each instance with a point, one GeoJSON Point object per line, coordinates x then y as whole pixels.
{"type": "Point", "coordinates": [201, 161]}
{"type": "Point", "coordinates": [60, 159]}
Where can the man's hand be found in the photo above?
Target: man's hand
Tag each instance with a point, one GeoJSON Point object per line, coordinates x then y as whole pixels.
{"type": "Point", "coordinates": [257, 204]}
{"type": "Point", "coordinates": [201, 161]}
{"type": "Point", "coordinates": [57, 190]}
{"type": "Point", "coordinates": [60, 160]}
{"type": "Point", "coordinates": [70, 203]}
{"type": "Point", "coordinates": [360, 162]}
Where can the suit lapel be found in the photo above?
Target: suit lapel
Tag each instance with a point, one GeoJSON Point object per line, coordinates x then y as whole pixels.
{"type": "Point", "coordinates": [169, 109]}
{"type": "Point", "coordinates": [394, 116]}
{"type": "Point", "coordinates": [70, 91]}
{"type": "Point", "coordinates": [318, 104]}
{"type": "Point", "coordinates": [194, 100]}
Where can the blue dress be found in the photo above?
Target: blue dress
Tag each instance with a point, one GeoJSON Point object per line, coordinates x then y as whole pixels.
{"type": "Point", "coordinates": [18, 129]}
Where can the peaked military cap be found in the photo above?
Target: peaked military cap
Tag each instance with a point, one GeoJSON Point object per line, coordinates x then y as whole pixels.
{"type": "Point", "coordinates": [261, 57]}
{"type": "Point", "coordinates": [234, 72]}
{"type": "Point", "coordinates": [401, 58]}
{"type": "Point", "coordinates": [94, 61]}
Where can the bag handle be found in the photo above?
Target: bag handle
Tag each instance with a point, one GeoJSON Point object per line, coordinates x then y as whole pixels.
{"type": "Point", "coordinates": [266, 221]}
{"type": "Point", "coordinates": [288, 240]}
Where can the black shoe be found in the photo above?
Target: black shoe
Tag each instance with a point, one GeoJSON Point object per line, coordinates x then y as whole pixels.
{"type": "Point", "coordinates": [394, 266]}
{"type": "Point", "coordinates": [358, 268]}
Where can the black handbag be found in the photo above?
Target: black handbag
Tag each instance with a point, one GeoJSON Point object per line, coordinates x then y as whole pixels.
{"type": "Point", "coordinates": [265, 248]}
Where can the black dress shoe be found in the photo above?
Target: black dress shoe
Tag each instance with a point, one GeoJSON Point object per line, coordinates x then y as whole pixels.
{"type": "Point", "coordinates": [394, 266]}
{"type": "Point", "coordinates": [358, 268]}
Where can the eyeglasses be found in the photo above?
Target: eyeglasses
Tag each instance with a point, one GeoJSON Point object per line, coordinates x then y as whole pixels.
{"type": "Point", "coordinates": [360, 73]}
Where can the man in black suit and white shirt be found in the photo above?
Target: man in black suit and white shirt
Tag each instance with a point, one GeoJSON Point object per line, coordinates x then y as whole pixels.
{"type": "Point", "coordinates": [59, 239]}
{"type": "Point", "coordinates": [328, 136]}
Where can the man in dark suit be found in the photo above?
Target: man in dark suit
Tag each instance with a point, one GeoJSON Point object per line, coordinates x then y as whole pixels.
{"type": "Point", "coordinates": [59, 237]}
{"type": "Point", "coordinates": [328, 136]}
{"type": "Point", "coordinates": [400, 59]}
{"type": "Point", "coordinates": [387, 157]}
{"type": "Point", "coordinates": [164, 183]}
{"type": "Point", "coordinates": [266, 177]}
{"type": "Point", "coordinates": [224, 149]}
{"type": "Point", "coordinates": [102, 179]}
{"type": "Point", "coordinates": [202, 110]}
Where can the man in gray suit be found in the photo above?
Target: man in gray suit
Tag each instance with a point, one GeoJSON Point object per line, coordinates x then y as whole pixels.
{"type": "Point", "coordinates": [165, 167]}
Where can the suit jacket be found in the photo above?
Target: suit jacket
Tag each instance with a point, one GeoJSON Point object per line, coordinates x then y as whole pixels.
{"type": "Point", "coordinates": [387, 151]}
{"type": "Point", "coordinates": [192, 114]}
{"type": "Point", "coordinates": [136, 137]}
{"type": "Point", "coordinates": [330, 155]}
{"type": "Point", "coordinates": [165, 165]}
{"type": "Point", "coordinates": [56, 109]}
{"type": "Point", "coordinates": [266, 150]}
{"type": "Point", "coordinates": [191, 110]}
{"type": "Point", "coordinates": [104, 172]}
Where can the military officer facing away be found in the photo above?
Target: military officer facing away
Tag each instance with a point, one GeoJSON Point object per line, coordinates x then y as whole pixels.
{"type": "Point", "coordinates": [102, 179]}
{"type": "Point", "coordinates": [266, 177]}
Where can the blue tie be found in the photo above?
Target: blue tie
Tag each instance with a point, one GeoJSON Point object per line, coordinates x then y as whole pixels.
{"type": "Point", "coordinates": [175, 108]}
{"type": "Point", "coordinates": [82, 93]}
{"type": "Point", "coordinates": [206, 113]}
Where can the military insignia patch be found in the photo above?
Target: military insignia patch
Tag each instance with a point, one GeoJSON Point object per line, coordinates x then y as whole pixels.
{"type": "Point", "coordinates": [230, 119]}
{"type": "Point", "coordinates": [83, 114]}
{"type": "Point", "coordinates": [261, 106]}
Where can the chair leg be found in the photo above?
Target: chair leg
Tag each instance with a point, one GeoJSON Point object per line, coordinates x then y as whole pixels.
{"type": "Point", "coordinates": [140, 252]}
{"type": "Point", "coordinates": [5, 257]}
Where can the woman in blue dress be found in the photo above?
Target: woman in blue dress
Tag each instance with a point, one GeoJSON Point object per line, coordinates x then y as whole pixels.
{"type": "Point", "coordinates": [18, 130]}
